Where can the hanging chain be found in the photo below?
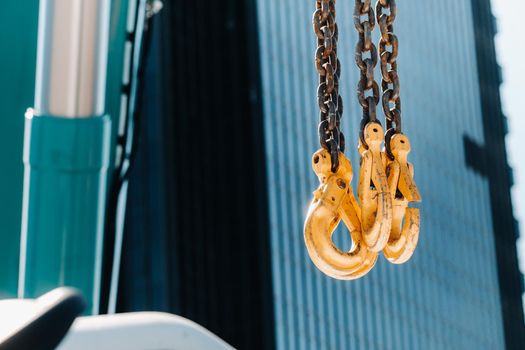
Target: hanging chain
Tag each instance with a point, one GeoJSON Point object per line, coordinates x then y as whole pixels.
{"type": "Point", "coordinates": [329, 69]}
{"type": "Point", "coordinates": [381, 221]}
{"type": "Point", "coordinates": [390, 82]}
{"type": "Point", "coordinates": [364, 8]}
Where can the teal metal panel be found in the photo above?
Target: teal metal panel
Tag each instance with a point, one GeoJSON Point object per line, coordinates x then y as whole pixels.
{"type": "Point", "coordinates": [66, 163]}
{"type": "Point", "coordinates": [18, 34]}
{"type": "Point", "coordinates": [18, 40]}
{"type": "Point", "coordinates": [447, 296]}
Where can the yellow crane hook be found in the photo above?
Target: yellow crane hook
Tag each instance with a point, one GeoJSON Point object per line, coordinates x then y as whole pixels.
{"type": "Point", "coordinates": [373, 192]}
{"type": "Point", "coordinates": [403, 235]}
{"type": "Point", "coordinates": [334, 201]}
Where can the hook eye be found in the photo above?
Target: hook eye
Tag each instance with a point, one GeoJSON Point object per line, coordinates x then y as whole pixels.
{"type": "Point", "coordinates": [333, 202]}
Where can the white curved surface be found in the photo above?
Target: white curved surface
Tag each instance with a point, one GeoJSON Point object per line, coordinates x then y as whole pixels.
{"type": "Point", "coordinates": [140, 330]}
{"type": "Point", "coordinates": [15, 314]}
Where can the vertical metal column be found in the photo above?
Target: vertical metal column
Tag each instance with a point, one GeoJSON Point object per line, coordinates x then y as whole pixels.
{"type": "Point", "coordinates": [66, 152]}
{"type": "Point", "coordinates": [135, 25]}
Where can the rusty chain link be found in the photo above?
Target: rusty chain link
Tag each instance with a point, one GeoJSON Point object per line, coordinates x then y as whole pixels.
{"type": "Point", "coordinates": [329, 69]}
{"type": "Point", "coordinates": [365, 47]}
{"type": "Point", "coordinates": [379, 219]}
{"type": "Point", "coordinates": [390, 83]}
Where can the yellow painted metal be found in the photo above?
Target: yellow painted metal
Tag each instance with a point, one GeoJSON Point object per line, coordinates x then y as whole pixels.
{"type": "Point", "coordinates": [383, 222]}
{"type": "Point", "coordinates": [404, 234]}
{"type": "Point", "coordinates": [373, 191]}
{"type": "Point", "coordinates": [334, 201]}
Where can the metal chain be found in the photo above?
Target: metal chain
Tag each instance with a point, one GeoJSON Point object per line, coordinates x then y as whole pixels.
{"type": "Point", "coordinates": [364, 8]}
{"type": "Point", "coordinates": [390, 82]}
{"type": "Point", "coordinates": [329, 69]}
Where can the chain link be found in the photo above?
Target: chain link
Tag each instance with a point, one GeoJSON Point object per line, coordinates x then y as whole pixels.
{"type": "Point", "coordinates": [364, 21]}
{"type": "Point", "coordinates": [388, 51]}
{"type": "Point", "coordinates": [329, 69]}
{"type": "Point", "coordinates": [366, 55]}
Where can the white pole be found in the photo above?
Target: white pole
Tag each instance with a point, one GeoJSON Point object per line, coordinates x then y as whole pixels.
{"type": "Point", "coordinates": [72, 57]}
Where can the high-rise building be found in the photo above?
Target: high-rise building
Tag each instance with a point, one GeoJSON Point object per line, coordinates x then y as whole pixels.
{"type": "Point", "coordinates": [223, 179]}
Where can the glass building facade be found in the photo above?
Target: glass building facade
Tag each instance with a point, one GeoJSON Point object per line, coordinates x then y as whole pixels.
{"type": "Point", "coordinates": [447, 296]}
{"type": "Point", "coordinates": [223, 180]}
